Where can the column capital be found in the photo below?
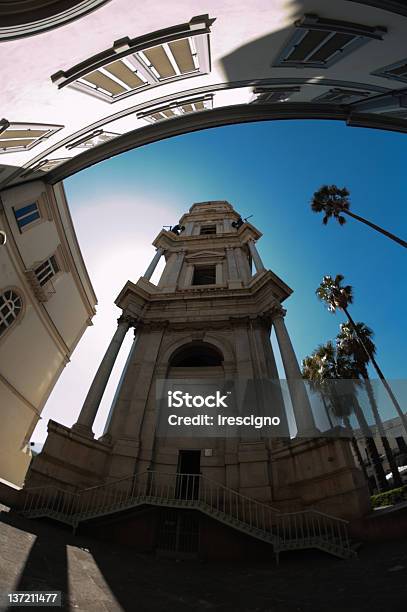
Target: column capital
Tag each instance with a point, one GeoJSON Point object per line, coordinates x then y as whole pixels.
{"type": "Point", "coordinates": [278, 312]}
{"type": "Point", "coordinates": [128, 319]}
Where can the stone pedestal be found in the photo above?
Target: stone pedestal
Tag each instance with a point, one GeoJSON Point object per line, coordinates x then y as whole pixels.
{"type": "Point", "coordinates": [254, 475]}
{"type": "Point", "coordinates": [69, 460]}
{"type": "Point", "coordinates": [319, 474]}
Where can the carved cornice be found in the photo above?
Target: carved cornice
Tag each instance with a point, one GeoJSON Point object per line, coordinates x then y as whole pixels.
{"type": "Point", "coordinates": [153, 324]}
{"type": "Point", "coordinates": [20, 18]}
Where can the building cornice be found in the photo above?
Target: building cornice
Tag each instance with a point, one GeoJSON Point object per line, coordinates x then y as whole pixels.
{"type": "Point", "coordinates": [167, 240]}
{"type": "Point", "coordinates": [28, 17]}
{"type": "Point", "coordinates": [146, 301]}
{"type": "Point", "coordinates": [228, 115]}
{"type": "Point", "coordinates": [67, 249]}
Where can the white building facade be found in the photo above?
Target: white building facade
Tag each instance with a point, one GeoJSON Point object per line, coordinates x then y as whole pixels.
{"type": "Point", "coordinates": [46, 303]}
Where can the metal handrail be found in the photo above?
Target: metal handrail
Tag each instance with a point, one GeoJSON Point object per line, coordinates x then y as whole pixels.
{"type": "Point", "coordinates": [284, 530]}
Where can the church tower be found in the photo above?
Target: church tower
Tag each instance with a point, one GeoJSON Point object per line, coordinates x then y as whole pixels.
{"type": "Point", "coordinates": [209, 316]}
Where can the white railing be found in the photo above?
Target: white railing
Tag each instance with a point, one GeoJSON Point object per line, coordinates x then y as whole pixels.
{"type": "Point", "coordinates": [286, 531]}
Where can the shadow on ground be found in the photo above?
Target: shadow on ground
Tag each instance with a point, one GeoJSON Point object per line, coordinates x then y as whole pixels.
{"type": "Point", "coordinates": [96, 576]}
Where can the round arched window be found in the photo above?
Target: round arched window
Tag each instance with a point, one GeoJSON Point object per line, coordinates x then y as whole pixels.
{"type": "Point", "coordinates": [11, 305]}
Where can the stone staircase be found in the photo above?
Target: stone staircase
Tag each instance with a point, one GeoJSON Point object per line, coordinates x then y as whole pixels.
{"type": "Point", "coordinates": [284, 531]}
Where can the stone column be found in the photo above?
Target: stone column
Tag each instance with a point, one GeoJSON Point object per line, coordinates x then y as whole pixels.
{"type": "Point", "coordinates": [175, 269]}
{"type": "Point", "coordinates": [255, 256]}
{"type": "Point", "coordinates": [169, 277]}
{"type": "Point", "coordinates": [243, 265]}
{"type": "Point", "coordinates": [299, 398]}
{"type": "Point", "coordinates": [150, 270]}
{"type": "Point", "coordinates": [91, 405]}
{"type": "Point", "coordinates": [113, 408]}
{"type": "Point", "coordinates": [189, 274]}
{"type": "Point", "coordinates": [219, 274]}
{"type": "Point", "coordinates": [188, 229]}
{"type": "Point", "coordinates": [232, 268]}
{"type": "Point", "coordinates": [227, 225]}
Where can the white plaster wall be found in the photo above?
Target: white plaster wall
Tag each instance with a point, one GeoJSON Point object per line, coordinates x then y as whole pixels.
{"type": "Point", "coordinates": [35, 349]}
{"type": "Point", "coordinates": [29, 357]}
{"type": "Point", "coordinates": [66, 308]}
{"type": "Point", "coordinates": [16, 419]}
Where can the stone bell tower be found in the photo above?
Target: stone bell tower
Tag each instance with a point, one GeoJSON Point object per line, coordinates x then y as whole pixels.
{"type": "Point", "coordinates": [209, 316]}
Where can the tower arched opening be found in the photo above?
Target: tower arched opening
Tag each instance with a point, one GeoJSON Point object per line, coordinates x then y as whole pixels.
{"type": "Point", "coordinates": [196, 355]}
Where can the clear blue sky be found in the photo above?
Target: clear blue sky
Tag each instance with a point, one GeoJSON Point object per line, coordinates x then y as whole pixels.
{"type": "Point", "coordinates": [270, 170]}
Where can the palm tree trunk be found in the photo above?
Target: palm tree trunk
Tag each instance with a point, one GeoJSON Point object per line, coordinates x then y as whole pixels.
{"type": "Point", "coordinates": [372, 451]}
{"type": "Point", "coordinates": [376, 227]}
{"type": "Point", "coordinates": [358, 454]}
{"type": "Point", "coordinates": [389, 454]}
{"type": "Point", "coordinates": [379, 372]}
{"type": "Point", "coordinates": [331, 425]}
{"type": "Point", "coordinates": [377, 466]}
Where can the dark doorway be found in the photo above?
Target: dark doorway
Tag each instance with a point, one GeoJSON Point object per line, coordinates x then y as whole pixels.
{"type": "Point", "coordinates": [189, 468]}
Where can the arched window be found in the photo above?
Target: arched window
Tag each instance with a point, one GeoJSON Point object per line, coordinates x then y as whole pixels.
{"type": "Point", "coordinates": [11, 305]}
{"type": "Point", "coordinates": [196, 355]}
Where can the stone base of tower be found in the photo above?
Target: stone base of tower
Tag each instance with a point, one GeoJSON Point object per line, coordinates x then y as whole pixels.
{"type": "Point", "coordinates": [296, 475]}
{"type": "Point", "coordinates": [319, 474]}
{"type": "Point", "coordinates": [69, 460]}
{"type": "Point", "coordinates": [254, 471]}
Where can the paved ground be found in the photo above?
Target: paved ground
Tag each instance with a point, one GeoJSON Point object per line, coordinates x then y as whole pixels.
{"type": "Point", "coordinates": [38, 556]}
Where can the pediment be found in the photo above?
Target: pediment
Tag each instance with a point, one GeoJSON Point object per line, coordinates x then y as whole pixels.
{"type": "Point", "coordinates": [205, 254]}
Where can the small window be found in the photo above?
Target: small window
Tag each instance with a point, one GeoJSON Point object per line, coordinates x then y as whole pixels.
{"type": "Point", "coordinates": [92, 140]}
{"type": "Point", "coordinates": [341, 96]}
{"type": "Point", "coordinates": [16, 137]}
{"type": "Point", "coordinates": [10, 308]}
{"type": "Point", "coordinates": [204, 275]}
{"type": "Point", "coordinates": [46, 270]}
{"type": "Point", "coordinates": [178, 109]}
{"type": "Point", "coordinates": [208, 229]}
{"type": "Point", "coordinates": [26, 215]}
{"type": "Point", "coordinates": [395, 72]}
{"type": "Point", "coordinates": [45, 165]}
{"type": "Point", "coordinates": [268, 95]}
{"type": "Point", "coordinates": [134, 65]}
{"type": "Point", "coordinates": [319, 43]}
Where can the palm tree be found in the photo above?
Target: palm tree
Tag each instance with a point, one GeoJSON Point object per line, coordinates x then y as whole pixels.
{"type": "Point", "coordinates": [336, 296]}
{"type": "Point", "coordinates": [334, 202]}
{"type": "Point", "coordinates": [348, 343]}
{"type": "Point", "coordinates": [311, 371]}
{"type": "Point", "coordinates": [327, 365]}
